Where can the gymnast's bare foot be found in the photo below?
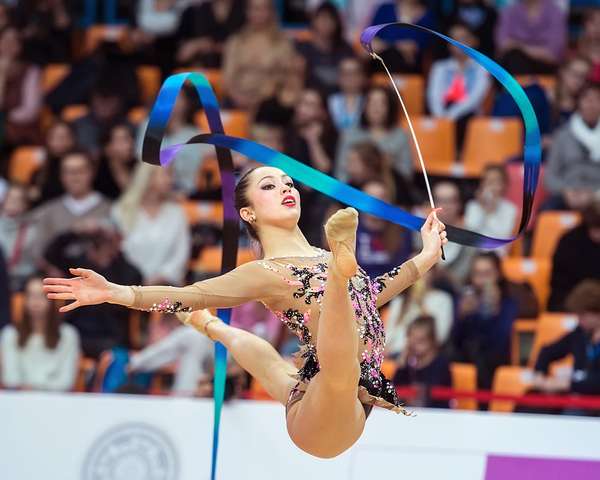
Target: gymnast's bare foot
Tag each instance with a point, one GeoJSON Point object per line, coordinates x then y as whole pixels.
{"type": "Point", "coordinates": [340, 230]}
{"type": "Point", "coordinates": [199, 319]}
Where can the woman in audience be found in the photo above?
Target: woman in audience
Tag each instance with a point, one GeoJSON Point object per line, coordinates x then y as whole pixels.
{"type": "Point", "coordinates": [346, 106]}
{"type": "Point", "coordinates": [457, 85]}
{"type": "Point", "coordinates": [420, 299]}
{"type": "Point", "coordinates": [20, 92]}
{"type": "Point", "coordinates": [402, 49]}
{"type": "Point", "coordinates": [421, 364]}
{"type": "Point", "coordinates": [490, 213]}
{"type": "Point", "coordinates": [486, 314]}
{"type": "Point", "coordinates": [325, 48]}
{"type": "Point", "coordinates": [39, 352]}
{"type": "Point", "coordinates": [571, 79]}
{"type": "Point", "coordinates": [17, 236]}
{"type": "Point", "coordinates": [589, 42]}
{"type": "Point", "coordinates": [116, 164]}
{"type": "Point", "coordinates": [481, 19]}
{"type": "Point", "coordinates": [155, 229]}
{"type": "Point", "coordinates": [379, 123]}
{"type": "Point", "coordinates": [46, 184]}
{"type": "Point", "coordinates": [253, 58]}
{"type": "Point", "coordinates": [531, 36]}
{"type": "Point", "coordinates": [380, 244]}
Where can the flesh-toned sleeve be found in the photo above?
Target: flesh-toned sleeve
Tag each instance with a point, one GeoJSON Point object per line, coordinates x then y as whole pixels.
{"type": "Point", "coordinates": [246, 283]}
{"type": "Point", "coordinates": [394, 282]}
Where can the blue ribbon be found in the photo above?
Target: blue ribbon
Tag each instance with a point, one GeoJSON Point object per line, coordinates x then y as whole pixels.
{"type": "Point", "coordinates": [152, 153]}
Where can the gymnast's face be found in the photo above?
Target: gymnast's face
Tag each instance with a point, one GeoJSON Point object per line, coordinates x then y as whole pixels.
{"type": "Point", "coordinates": [273, 199]}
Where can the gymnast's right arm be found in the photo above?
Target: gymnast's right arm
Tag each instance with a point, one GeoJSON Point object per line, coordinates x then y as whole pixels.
{"type": "Point", "coordinates": [246, 283]}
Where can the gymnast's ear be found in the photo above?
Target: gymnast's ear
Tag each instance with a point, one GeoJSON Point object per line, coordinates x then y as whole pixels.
{"type": "Point", "coordinates": [247, 214]}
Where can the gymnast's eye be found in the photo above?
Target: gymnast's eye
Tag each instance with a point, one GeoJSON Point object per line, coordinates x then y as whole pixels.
{"type": "Point", "coordinates": [268, 186]}
{"type": "Point", "coordinates": [290, 184]}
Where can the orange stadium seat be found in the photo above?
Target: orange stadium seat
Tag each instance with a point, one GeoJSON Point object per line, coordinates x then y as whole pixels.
{"type": "Point", "coordinates": [149, 82]}
{"type": "Point", "coordinates": [24, 162]}
{"type": "Point", "coordinates": [520, 327]}
{"type": "Point", "coordinates": [209, 260]}
{"type": "Point", "coordinates": [209, 177]}
{"type": "Point", "coordinates": [388, 368]}
{"type": "Point", "coordinates": [464, 379]}
{"type": "Point", "coordinates": [509, 380]}
{"type": "Point", "coordinates": [437, 141]}
{"type": "Point", "coordinates": [491, 141]}
{"type": "Point", "coordinates": [17, 300]}
{"type": "Point", "coordinates": [257, 391]}
{"type": "Point", "coordinates": [137, 115]}
{"type": "Point", "coordinates": [548, 230]}
{"type": "Point", "coordinates": [53, 74]}
{"type": "Point", "coordinates": [535, 271]}
{"type": "Point", "coordinates": [203, 212]}
{"type": "Point", "coordinates": [411, 87]}
{"type": "Point", "coordinates": [73, 112]}
{"type": "Point", "coordinates": [549, 328]}
{"type": "Point", "coordinates": [235, 122]}
{"type": "Point", "coordinates": [547, 82]}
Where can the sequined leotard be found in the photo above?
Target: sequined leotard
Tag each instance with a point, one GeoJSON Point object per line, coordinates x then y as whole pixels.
{"type": "Point", "coordinates": [293, 287]}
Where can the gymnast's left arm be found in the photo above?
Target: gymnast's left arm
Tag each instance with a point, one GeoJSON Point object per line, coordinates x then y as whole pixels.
{"type": "Point", "coordinates": [389, 285]}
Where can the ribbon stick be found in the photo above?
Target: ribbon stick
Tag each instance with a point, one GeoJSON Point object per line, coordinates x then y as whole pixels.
{"type": "Point", "coordinates": [153, 153]}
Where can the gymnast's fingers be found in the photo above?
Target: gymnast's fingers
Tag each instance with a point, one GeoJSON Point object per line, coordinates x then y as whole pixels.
{"type": "Point", "coordinates": [57, 288]}
{"type": "Point", "coordinates": [61, 296]}
{"type": "Point", "coordinates": [81, 272]}
{"type": "Point", "coordinates": [70, 306]}
{"type": "Point", "coordinates": [58, 281]}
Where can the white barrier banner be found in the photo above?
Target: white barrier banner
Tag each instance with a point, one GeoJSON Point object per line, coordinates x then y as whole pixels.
{"type": "Point", "coordinates": [127, 437]}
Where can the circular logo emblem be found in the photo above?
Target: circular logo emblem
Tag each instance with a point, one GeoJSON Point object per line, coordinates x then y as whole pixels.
{"type": "Point", "coordinates": [132, 451]}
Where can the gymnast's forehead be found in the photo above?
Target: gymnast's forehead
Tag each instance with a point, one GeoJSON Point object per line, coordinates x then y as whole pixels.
{"type": "Point", "coordinates": [272, 172]}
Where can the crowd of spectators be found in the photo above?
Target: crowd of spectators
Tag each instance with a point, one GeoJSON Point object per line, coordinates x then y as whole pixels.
{"type": "Point", "coordinates": [309, 90]}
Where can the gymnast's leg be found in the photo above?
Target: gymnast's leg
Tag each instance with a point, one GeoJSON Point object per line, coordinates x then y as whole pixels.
{"type": "Point", "coordinates": [330, 418]}
{"type": "Point", "coordinates": [252, 353]}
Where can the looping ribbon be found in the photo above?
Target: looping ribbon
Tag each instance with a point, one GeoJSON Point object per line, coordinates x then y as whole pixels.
{"type": "Point", "coordinates": [153, 153]}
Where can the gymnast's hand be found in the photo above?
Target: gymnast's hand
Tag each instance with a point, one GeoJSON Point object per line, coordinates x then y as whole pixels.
{"type": "Point", "coordinates": [433, 235]}
{"type": "Point", "coordinates": [87, 288]}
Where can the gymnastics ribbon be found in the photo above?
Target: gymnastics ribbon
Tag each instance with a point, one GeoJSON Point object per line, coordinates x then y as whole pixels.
{"type": "Point", "coordinates": [153, 153]}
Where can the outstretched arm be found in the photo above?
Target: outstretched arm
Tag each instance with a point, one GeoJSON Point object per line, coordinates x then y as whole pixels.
{"type": "Point", "coordinates": [400, 278]}
{"type": "Point", "coordinates": [245, 283]}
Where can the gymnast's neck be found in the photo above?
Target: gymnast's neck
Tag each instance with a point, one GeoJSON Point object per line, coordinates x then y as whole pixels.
{"type": "Point", "coordinates": [283, 242]}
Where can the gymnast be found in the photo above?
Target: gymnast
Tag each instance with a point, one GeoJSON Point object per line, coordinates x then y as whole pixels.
{"type": "Point", "coordinates": [324, 297]}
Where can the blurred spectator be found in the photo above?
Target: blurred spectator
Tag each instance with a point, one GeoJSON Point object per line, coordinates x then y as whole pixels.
{"type": "Point", "coordinates": [204, 29]}
{"type": "Point", "coordinates": [107, 107]}
{"type": "Point", "coordinates": [20, 92]}
{"type": "Point", "coordinates": [325, 48]}
{"type": "Point", "coordinates": [155, 229]}
{"type": "Point", "coordinates": [422, 364]}
{"type": "Point", "coordinates": [531, 36]}
{"type": "Point", "coordinates": [17, 236]}
{"type": "Point", "coordinates": [380, 245]}
{"type": "Point", "coordinates": [490, 213]}
{"type": "Point", "coordinates": [481, 19]}
{"type": "Point", "coordinates": [346, 106]}
{"type": "Point", "coordinates": [571, 79]}
{"type": "Point", "coordinates": [379, 123]}
{"type": "Point", "coordinates": [5, 314]}
{"type": "Point", "coordinates": [117, 162]}
{"type": "Point", "coordinates": [455, 269]}
{"type": "Point", "coordinates": [97, 247]}
{"type": "Point", "coordinates": [589, 42]}
{"type": "Point", "coordinates": [583, 344]}
{"type": "Point", "coordinates": [366, 163]}
{"type": "Point", "coordinates": [279, 108]}
{"type": "Point", "coordinates": [486, 314]}
{"type": "Point", "coordinates": [573, 167]}
{"type": "Point", "coordinates": [78, 206]}
{"type": "Point", "coordinates": [403, 49]}
{"type": "Point", "coordinates": [253, 58]}
{"type": "Point", "coordinates": [46, 26]}
{"type": "Point", "coordinates": [180, 129]}
{"type": "Point", "coordinates": [312, 140]}
{"type": "Point", "coordinates": [40, 352]}
{"type": "Point", "coordinates": [420, 299]}
{"type": "Point", "coordinates": [577, 257]}
{"type": "Point", "coordinates": [458, 85]}
{"type": "Point", "coordinates": [46, 184]}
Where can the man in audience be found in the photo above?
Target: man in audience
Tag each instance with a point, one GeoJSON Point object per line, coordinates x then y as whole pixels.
{"type": "Point", "coordinates": [80, 204]}
{"type": "Point", "coordinates": [573, 167]}
{"type": "Point", "coordinates": [577, 257]}
{"type": "Point", "coordinates": [583, 344]}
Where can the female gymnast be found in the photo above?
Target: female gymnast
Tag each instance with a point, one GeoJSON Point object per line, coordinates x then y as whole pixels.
{"type": "Point", "coordinates": [324, 297]}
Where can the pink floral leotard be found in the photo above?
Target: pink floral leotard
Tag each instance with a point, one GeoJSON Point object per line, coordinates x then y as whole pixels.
{"type": "Point", "coordinates": [293, 288]}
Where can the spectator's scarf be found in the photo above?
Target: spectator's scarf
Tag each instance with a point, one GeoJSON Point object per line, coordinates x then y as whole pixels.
{"type": "Point", "coordinates": [589, 137]}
